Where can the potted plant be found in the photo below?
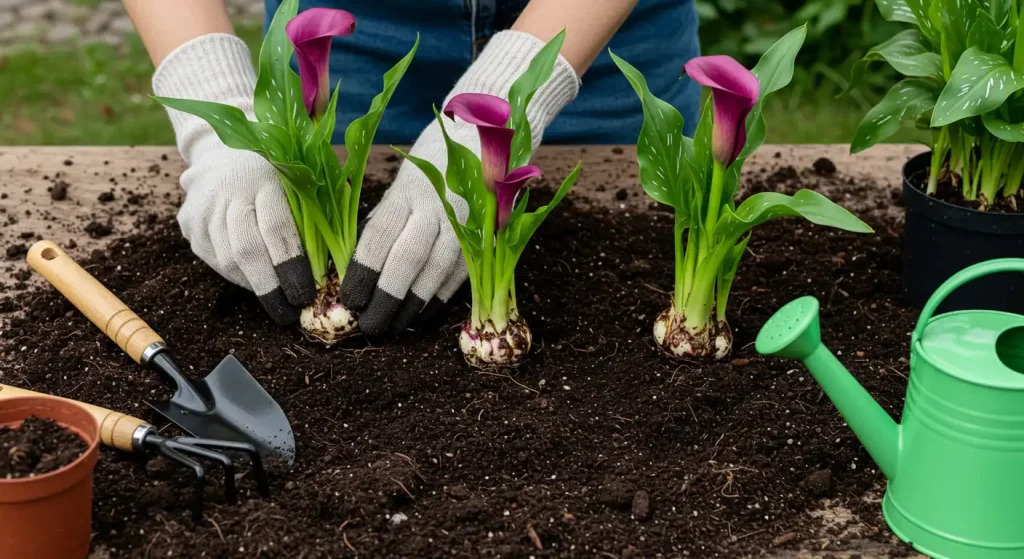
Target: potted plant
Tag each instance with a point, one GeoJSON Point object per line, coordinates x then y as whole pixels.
{"type": "Point", "coordinates": [45, 500]}
{"type": "Point", "coordinates": [963, 64]}
{"type": "Point", "coordinates": [295, 121]}
{"type": "Point", "coordinates": [699, 177]}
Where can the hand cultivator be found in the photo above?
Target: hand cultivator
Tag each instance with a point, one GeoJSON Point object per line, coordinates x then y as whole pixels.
{"type": "Point", "coordinates": [229, 404]}
{"type": "Point", "coordinates": [132, 434]}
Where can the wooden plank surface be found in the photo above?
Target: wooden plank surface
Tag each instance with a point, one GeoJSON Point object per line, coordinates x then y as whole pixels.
{"type": "Point", "coordinates": [149, 176]}
{"type": "Point", "coordinates": [144, 184]}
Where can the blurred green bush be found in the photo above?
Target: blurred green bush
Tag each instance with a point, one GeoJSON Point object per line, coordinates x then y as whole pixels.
{"type": "Point", "coordinates": [838, 32]}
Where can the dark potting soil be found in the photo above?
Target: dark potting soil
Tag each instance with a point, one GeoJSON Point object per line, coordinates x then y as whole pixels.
{"type": "Point", "coordinates": [950, 190]}
{"type": "Point", "coordinates": [37, 446]}
{"type": "Point", "coordinates": [598, 445]}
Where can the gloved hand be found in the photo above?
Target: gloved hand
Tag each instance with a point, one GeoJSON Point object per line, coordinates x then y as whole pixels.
{"type": "Point", "coordinates": [408, 263]}
{"type": "Point", "coordinates": [235, 215]}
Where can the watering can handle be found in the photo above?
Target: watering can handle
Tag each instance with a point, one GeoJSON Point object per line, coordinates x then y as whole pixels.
{"type": "Point", "coordinates": [960, 278]}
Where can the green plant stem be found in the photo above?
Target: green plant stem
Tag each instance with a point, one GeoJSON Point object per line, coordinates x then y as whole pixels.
{"type": "Point", "coordinates": [679, 296]}
{"type": "Point", "coordinates": [1015, 171]}
{"type": "Point", "coordinates": [689, 267]}
{"type": "Point", "coordinates": [500, 302]}
{"type": "Point", "coordinates": [995, 157]}
{"type": "Point", "coordinates": [939, 151]}
{"type": "Point", "coordinates": [699, 304]}
{"type": "Point", "coordinates": [487, 276]}
{"type": "Point", "coordinates": [714, 201]}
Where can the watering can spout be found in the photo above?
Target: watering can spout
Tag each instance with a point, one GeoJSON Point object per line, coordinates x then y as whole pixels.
{"type": "Point", "coordinates": [794, 332]}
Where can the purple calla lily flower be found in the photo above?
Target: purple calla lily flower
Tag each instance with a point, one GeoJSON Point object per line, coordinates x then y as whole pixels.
{"type": "Point", "coordinates": [508, 190]}
{"type": "Point", "coordinates": [311, 32]}
{"type": "Point", "coordinates": [735, 91]}
{"type": "Point", "coordinates": [490, 114]}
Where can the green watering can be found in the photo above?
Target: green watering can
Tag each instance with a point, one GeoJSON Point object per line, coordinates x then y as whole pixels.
{"type": "Point", "coordinates": [956, 463]}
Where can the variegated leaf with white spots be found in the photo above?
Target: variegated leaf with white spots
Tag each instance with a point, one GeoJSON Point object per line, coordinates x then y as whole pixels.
{"type": "Point", "coordinates": [278, 96]}
{"type": "Point", "coordinates": [921, 9]}
{"type": "Point", "coordinates": [660, 147]}
{"type": "Point", "coordinates": [979, 83]}
{"type": "Point", "coordinates": [896, 10]}
{"type": "Point", "coordinates": [907, 100]}
{"type": "Point", "coordinates": [907, 52]}
{"type": "Point", "coordinates": [1007, 131]}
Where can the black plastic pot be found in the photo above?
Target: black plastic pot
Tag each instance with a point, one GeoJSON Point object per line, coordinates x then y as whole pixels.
{"type": "Point", "coordinates": [941, 239]}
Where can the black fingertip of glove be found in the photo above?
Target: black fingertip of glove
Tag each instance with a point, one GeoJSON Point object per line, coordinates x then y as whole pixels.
{"type": "Point", "coordinates": [297, 281]}
{"type": "Point", "coordinates": [280, 310]}
{"type": "Point", "coordinates": [376, 319]}
{"type": "Point", "coordinates": [358, 285]}
{"type": "Point", "coordinates": [431, 313]}
{"type": "Point", "coordinates": [411, 308]}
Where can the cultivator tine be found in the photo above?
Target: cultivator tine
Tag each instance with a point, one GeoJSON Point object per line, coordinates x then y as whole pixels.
{"type": "Point", "coordinates": [230, 491]}
{"type": "Point", "coordinates": [256, 463]}
{"type": "Point", "coordinates": [200, 483]}
{"type": "Point", "coordinates": [183, 449]}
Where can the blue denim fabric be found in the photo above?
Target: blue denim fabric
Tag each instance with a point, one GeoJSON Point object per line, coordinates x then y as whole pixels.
{"type": "Point", "coordinates": [658, 38]}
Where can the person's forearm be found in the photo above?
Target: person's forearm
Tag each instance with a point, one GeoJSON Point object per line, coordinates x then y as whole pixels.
{"type": "Point", "coordinates": [589, 25]}
{"type": "Point", "coordinates": [164, 26]}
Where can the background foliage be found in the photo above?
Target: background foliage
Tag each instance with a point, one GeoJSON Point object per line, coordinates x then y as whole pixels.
{"type": "Point", "coordinates": [100, 94]}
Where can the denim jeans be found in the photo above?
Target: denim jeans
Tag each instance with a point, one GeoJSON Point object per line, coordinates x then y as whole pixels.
{"type": "Point", "coordinates": [658, 38]}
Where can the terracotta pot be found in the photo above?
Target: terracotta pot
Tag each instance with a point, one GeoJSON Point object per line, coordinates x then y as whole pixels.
{"type": "Point", "coordinates": [49, 516]}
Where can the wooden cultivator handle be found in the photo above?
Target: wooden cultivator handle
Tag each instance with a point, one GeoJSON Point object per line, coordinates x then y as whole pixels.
{"type": "Point", "coordinates": [96, 302]}
{"type": "Point", "coordinates": [116, 429]}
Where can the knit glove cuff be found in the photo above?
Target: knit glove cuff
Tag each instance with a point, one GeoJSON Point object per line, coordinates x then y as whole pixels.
{"type": "Point", "coordinates": [506, 57]}
{"type": "Point", "coordinates": [215, 67]}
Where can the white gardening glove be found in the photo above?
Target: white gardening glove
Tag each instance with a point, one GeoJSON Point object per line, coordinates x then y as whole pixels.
{"type": "Point", "coordinates": [408, 263]}
{"type": "Point", "coordinates": [235, 215]}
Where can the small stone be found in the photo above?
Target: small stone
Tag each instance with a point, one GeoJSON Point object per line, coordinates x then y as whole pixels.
{"type": "Point", "coordinates": [16, 250]}
{"type": "Point", "coordinates": [398, 518]}
{"type": "Point", "coordinates": [96, 23]}
{"type": "Point", "coordinates": [641, 505]}
{"type": "Point", "coordinates": [289, 486]}
{"type": "Point", "coordinates": [459, 492]}
{"type": "Point", "coordinates": [61, 33]}
{"type": "Point", "coordinates": [824, 166]}
{"type": "Point", "coordinates": [121, 25]}
{"type": "Point", "coordinates": [35, 11]}
{"type": "Point", "coordinates": [59, 191]}
{"type": "Point", "coordinates": [24, 30]}
{"type": "Point", "coordinates": [819, 483]}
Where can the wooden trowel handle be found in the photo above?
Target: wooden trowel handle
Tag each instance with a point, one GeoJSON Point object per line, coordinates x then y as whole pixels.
{"type": "Point", "coordinates": [96, 302]}
{"type": "Point", "coordinates": [117, 430]}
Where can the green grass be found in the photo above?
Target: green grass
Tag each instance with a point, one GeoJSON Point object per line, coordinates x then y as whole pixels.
{"type": "Point", "coordinates": [99, 95]}
{"type": "Point", "coordinates": [92, 95]}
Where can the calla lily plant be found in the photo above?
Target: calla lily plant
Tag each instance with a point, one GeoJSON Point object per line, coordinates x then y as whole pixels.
{"type": "Point", "coordinates": [499, 226]}
{"type": "Point", "coordinates": [295, 120]}
{"type": "Point", "coordinates": [963, 68]}
{"type": "Point", "coordinates": [699, 177]}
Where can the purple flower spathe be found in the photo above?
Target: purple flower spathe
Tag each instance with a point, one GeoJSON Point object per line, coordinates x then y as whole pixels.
{"type": "Point", "coordinates": [490, 115]}
{"type": "Point", "coordinates": [735, 91]}
{"type": "Point", "coordinates": [311, 33]}
{"type": "Point", "coordinates": [508, 190]}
